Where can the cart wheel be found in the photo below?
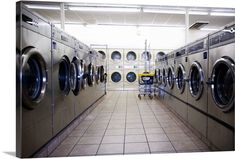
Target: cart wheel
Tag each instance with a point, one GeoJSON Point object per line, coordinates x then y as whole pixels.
{"type": "Point", "coordinates": [150, 96]}
{"type": "Point", "coordinates": [144, 94]}
{"type": "Point", "coordinates": [139, 96]}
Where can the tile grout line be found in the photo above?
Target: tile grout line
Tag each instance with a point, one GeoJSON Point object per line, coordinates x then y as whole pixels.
{"type": "Point", "coordinates": [143, 126]}
{"type": "Point", "coordinates": [162, 128]}
{"type": "Point", "coordinates": [107, 125]}
{"type": "Point", "coordinates": [125, 128]}
{"type": "Point", "coordinates": [84, 131]}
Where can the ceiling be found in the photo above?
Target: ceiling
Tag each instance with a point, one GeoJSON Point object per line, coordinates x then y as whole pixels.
{"type": "Point", "coordinates": [133, 18]}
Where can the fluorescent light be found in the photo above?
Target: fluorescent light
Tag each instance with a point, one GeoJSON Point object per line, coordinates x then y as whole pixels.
{"type": "Point", "coordinates": [198, 13]}
{"type": "Point", "coordinates": [104, 9]}
{"type": "Point", "coordinates": [222, 14]}
{"type": "Point", "coordinates": [43, 7]}
{"type": "Point", "coordinates": [164, 11]}
{"type": "Point", "coordinates": [209, 29]}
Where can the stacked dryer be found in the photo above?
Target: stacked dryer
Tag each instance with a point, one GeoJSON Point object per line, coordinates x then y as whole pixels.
{"type": "Point", "coordinates": [221, 73]}
{"type": "Point", "coordinates": [33, 81]}
{"type": "Point", "coordinates": [115, 68]}
{"type": "Point", "coordinates": [197, 88]}
{"type": "Point", "coordinates": [131, 69]}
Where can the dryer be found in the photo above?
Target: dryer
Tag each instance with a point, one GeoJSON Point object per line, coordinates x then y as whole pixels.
{"type": "Point", "coordinates": [33, 81]}
{"type": "Point", "coordinates": [197, 88]}
{"type": "Point", "coordinates": [115, 56]}
{"type": "Point", "coordinates": [131, 57]}
{"type": "Point", "coordinates": [64, 76]}
{"type": "Point", "coordinates": [115, 78]}
{"type": "Point", "coordinates": [221, 88]}
{"type": "Point", "coordinates": [130, 78]}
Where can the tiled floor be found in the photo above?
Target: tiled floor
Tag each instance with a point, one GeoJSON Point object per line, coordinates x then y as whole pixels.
{"type": "Point", "coordinates": [123, 124]}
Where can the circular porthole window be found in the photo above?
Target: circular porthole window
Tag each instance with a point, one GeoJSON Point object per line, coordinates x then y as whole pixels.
{"type": "Point", "coordinates": [131, 56]}
{"type": "Point", "coordinates": [116, 77]}
{"type": "Point", "coordinates": [116, 56]}
{"type": "Point", "coordinates": [131, 77]}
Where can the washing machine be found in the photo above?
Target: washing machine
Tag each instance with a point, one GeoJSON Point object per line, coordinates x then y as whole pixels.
{"type": "Point", "coordinates": [221, 73]}
{"type": "Point", "coordinates": [131, 56]}
{"type": "Point", "coordinates": [130, 78]}
{"type": "Point", "coordinates": [146, 56]}
{"type": "Point", "coordinates": [180, 85]}
{"type": "Point", "coordinates": [115, 56]}
{"type": "Point", "coordinates": [33, 81]}
{"type": "Point", "coordinates": [65, 72]}
{"type": "Point", "coordinates": [197, 88]}
{"type": "Point", "coordinates": [81, 102]}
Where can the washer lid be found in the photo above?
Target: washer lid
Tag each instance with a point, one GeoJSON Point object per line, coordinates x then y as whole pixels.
{"type": "Point", "coordinates": [116, 77]}
{"type": "Point", "coordinates": [196, 80]}
{"type": "Point", "coordinates": [223, 83]}
{"type": "Point", "coordinates": [34, 77]}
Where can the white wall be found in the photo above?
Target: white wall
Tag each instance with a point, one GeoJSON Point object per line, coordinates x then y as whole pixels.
{"type": "Point", "coordinates": [197, 34]}
{"type": "Point", "coordinates": [128, 36]}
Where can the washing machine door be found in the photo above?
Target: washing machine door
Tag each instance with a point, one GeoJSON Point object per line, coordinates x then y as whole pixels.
{"type": "Point", "coordinates": [196, 80]}
{"type": "Point", "coordinates": [102, 74]}
{"type": "Point", "coordinates": [170, 77]}
{"type": "Point", "coordinates": [116, 56]}
{"type": "Point", "coordinates": [146, 56]}
{"type": "Point", "coordinates": [222, 87]}
{"type": "Point", "coordinates": [163, 78]}
{"type": "Point", "coordinates": [97, 74]}
{"type": "Point", "coordinates": [64, 75]}
{"type": "Point", "coordinates": [180, 78]}
{"type": "Point", "coordinates": [131, 56]}
{"type": "Point", "coordinates": [91, 75]}
{"type": "Point", "coordinates": [103, 54]}
{"type": "Point", "coordinates": [131, 77]}
{"type": "Point", "coordinates": [84, 74]}
{"type": "Point", "coordinates": [75, 76]}
{"type": "Point", "coordinates": [116, 77]}
{"type": "Point", "coordinates": [34, 77]}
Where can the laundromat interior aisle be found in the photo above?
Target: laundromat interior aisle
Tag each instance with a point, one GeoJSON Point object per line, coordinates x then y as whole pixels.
{"type": "Point", "coordinates": [123, 124]}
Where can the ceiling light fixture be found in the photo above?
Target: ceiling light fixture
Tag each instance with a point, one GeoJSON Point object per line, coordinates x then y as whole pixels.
{"type": "Point", "coordinates": [103, 9]}
{"type": "Point", "coordinates": [198, 13]}
{"type": "Point", "coordinates": [46, 7]}
{"type": "Point", "coordinates": [148, 10]}
{"type": "Point", "coordinates": [222, 14]}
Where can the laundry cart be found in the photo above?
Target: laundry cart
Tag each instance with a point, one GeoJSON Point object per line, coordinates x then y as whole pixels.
{"type": "Point", "coordinates": [146, 86]}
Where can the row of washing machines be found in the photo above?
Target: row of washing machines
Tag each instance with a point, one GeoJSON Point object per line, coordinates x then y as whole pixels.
{"type": "Point", "coordinates": [57, 78]}
{"type": "Point", "coordinates": [124, 65]}
{"type": "Point", "coordinates": [197, 82]}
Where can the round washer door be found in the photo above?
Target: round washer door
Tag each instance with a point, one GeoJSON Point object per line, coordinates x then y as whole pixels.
{"type": "Point", "coordinates": [91, 74]}
{"type": "Point", "coordinates": [131, 77]}
{"type": "Point", "coordinates": [196, 80]}
{"type": "Point", "coordinates": [146, 55]}
{"type": "Point", "coordinates": [170, 77]}
{"type": "Point", "coordinates": [180, 78]}
{"type": "Point", "coordinates": [34, 77]}
{"type": "Point", "coordinates": [116, 56]}
{"type": "Point", "coordinates": [131, 56]}
{"type": "Point", "coordinates": [102, 74]}
{"type": "Point", "coordinates": [75, 75]}
{"type": "Point", "coordinates": [116, 77]}
{"type": "Point", "coordinates": [103, 54]}
{"type": "Point", "coordinates": [222, 87]}
{"type": "Point", "coordinates": [164, 77]}
{"type": "Point", "coordinates": [84, 74]}
{"type": "Point", "coordinates": [97, 74]}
